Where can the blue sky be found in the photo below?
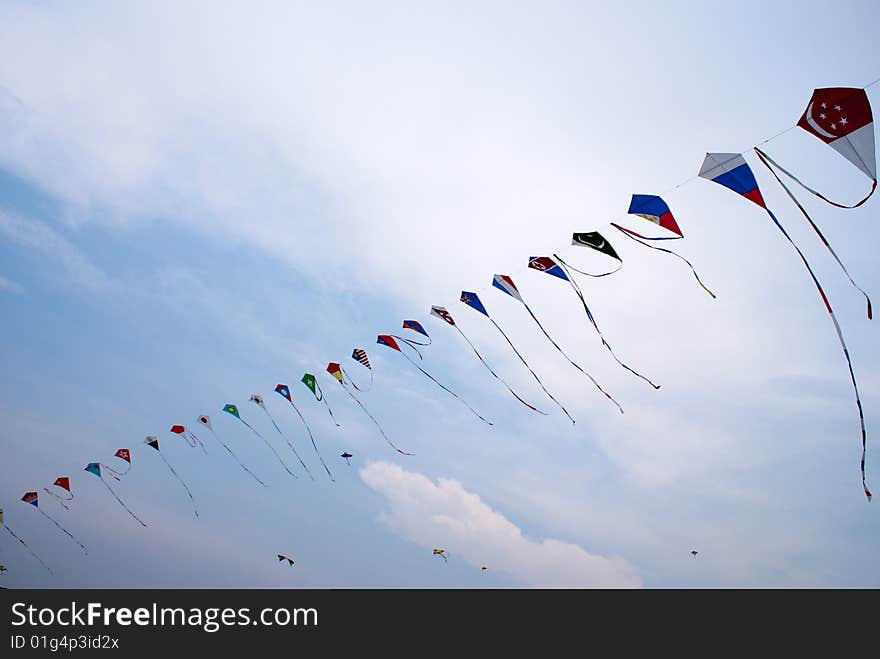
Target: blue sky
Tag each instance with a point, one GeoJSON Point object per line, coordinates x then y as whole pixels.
{"type": "Point", "coordinates": [197, 204]}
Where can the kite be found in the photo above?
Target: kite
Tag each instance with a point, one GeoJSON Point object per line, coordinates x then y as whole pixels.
{"type": "Point", "coordinates": [190, 436]}
{"type": "Point", "coordinates": [125, 455]}
{"type": "Point", "coordinates": [595, 240]}
{"type": "Point", "coordinates": [841, 117]}
{"type": "Point", "coordinates": [483, 568]}
{"type": "Point", "coordinates": [62, 482]}
{"type": "Point", "coordinates": [654, 209]}
{"type": "Point", "coordinates": [732, 171]}
{"type": "Point", "coordinates": [34, 499]}
{"type": "Point", "coordinates": [390, 342]}
{"type": "Point", "coordinates": [444, 315]}
{"type": "Point", "coordinates": [282, 557]}
{"type": "Point", "coordinates": [284, 391]}
{"type": "Point", "coordinates": [95, 468]}
{"type": "Point", "coordinates": [258, 399]}
{"type": "Point", "coordinates": [694, 553]}
{"type": "Point", "coordinates": [506, 285]}
{"type": "Point", "coordinates": [309, 380]}
{"type": "Point", "coordinates": [346, 455]}
{"type": "Point", "coordinates": [23, 543]}
{"type": "Point", "coordinates": [3, 569]}
{"type": "Point", "coordinates": [152, 440]}
{"type": "Point", "coordinates": [336, 371]}
{"type": "Point", "coordinates": [440, 552]}
{"type": "Point", "coordinates": [360, 356]}
{"type": "Point", "coordinates": [205, 420]}
{"type": "Point", "coordinates": [473, 301]}
{"type": "Point", "coordinates": [560, 270]}
{"type": "Point", "coordinates": [229, 408]}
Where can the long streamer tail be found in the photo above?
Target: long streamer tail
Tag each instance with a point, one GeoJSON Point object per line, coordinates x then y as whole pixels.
{"type": "Point", "coordinates": [764, 158]}
{"type": "Point", "coordinates": [58, 498]}
{"type": "Point", "coordinates": [196, 437]}
{"type": "Point", "coordinates": [64, 530]}
{"type": "Point", "coordinates": [235, 457]}
{"type": "Point", "coordinates": [636, 236]}
{"type": "Point", "coordinates": [312, 438]}
{"type": "Point", "coordinates": [570, 360]}
{"type": "Point", "coordinates": [839, 337]}
{"type": "Point", "coordinates": [289, 444]}
{"type": "Point", "coordinates": [534, 375]}
{"type": "Point", "coordinates": [128, 510]}
{"type": "Point", "coordinates": [382, 432]}
{"type": "Point", "coordinates": [320, 396]}
{"type": "Point", "coordinates": [605, 343]}
{"type": "Point", "coordinates": [498, 377]}
{"type": "Point", "coordinates": [31, 551]}
{"type": "Point", "coordinates": [806, 187]}
{"type": "Point", "coordinates": [182, 482]}
{"type": "Point", "coordinates": [447, 389]}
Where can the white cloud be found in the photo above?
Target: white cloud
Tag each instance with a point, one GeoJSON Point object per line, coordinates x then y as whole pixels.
{"type": "Point", "coordinates": [445, 514]}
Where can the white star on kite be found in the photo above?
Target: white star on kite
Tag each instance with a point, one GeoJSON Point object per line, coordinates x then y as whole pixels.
{"type": "Point", "coordinates": [822, 116]}
{"type": "Point", "coordinates": [837, 107]}
{"type": "Point", "coordinates": [833, 126]}
{"type": "Point", "coordinates": [843, 121]}
{"type": "Point", "coordinates": [824, 105]}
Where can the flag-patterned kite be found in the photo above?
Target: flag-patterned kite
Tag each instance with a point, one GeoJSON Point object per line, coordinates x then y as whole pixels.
{"type": "Point", "coordinates": [732, 171]}
{"type": "Point", "coordinates": [360, 356]}
{"type": "Point", "coordinates": [62, 483]}
{"type": "Point", "coordinates": [596, 241]}
{"type": "Point", "coordinates": [654, 209]}
{"type": "Point", "coordinates": [312, 385]}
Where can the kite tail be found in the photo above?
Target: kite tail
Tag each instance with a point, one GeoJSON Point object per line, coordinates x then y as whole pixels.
{"type": "Point", "coordinates": [64, 530]}
{"type": "Point", "coordinates": [289, 444]}
{"type": "Point", "coordinates": [605, 343]}
{"type": "Point", "coordinates": [842, 344]}
{"type": "Point", "coordinates": [320, 397]}
{"type": "Point", "coordinates": [806, 187]}
{"type": "Point", "coordinates": [58, 498]}
{"type": "Point", "coordinates": [25, 545]}
{"type": "Point", "coordinates": [447, 389]}
{"type": "Point", "coordinates": [235, 457]}
{"type": "Point", "coordinates": [128, 510]}
{"type": "Point", "coordinates": [590, 274]}
{"type": "Point", "coordinates": [312, 438]}
{"type": "Point", "coordinates": [185, 487]}
{"type": "Point", "coordinates": [764, 158]}
{"type": "Point", "coordinates": [570, 360]}
{"type": "Point", "coordinates": [353, 384]}
{"type": "Point", "coordinates": [635, 236]}
{"type": "Point", "coordinates": [116, 474]}
{"type": "Point", "coordinates": [196, 437]}
{"type": "Point", "coordinates": [382, 432]}
{"type": "Point", "coordinates": [253, 430]}
{"type": "Point", "coordinates": [283, 464]}
{"type": "Point", "coordinates": [534, 375]}
{"type": "Point", "coordinates": [498, 377]}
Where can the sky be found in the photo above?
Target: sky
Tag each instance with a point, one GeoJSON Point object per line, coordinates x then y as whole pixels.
{"type": "Point", "coordinates": [199, 202]}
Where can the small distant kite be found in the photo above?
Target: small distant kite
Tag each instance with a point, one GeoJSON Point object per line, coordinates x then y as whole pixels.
{"type": "Point", "coordinates": [334, 369]}
{"type": "Point", "coordinates": [2, 569]}
{"type": "Point", "coordinates": [440, 552]}
{"type": "Point", "coordinates": [654, 209]}
{"type": "Point", "coordinates": [63, 483]}
{"type": "Point", "coordinates": [232, 410]}
{"type": "Point", "coordinates": [347, 455]}
{"type": "Point", "coordinates": [390, 341]}
{"type": "Point", "coordinates": [153, 442]}
{"type": "Point", "coordinates": [34, 499]}
{"type": "Point", "coordinates": [694, 553]}
{"type": "Point", "coordinates": [205, 420]}
{"type": "Point", "coordinates": [23, 543]}
{"type": "Point", "coordinates": [282, 557]}
{"type": "Point", "coordinates": [444, 315]}
{"type": "Point", "coordinates": [95, 468]}
{"type": "Point", "coordinates": [258, 400]}
{"type": "Point", "coordinates": [473, 301]}
{"type": "Point", "coordinates": [484, 567]}
{"type": "Point", "coordinates": [312, 384]}
{"type": "Point", "coordinates": [284, 391]}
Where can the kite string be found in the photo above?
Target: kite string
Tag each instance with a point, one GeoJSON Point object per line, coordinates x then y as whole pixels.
{"type": "Point", "coordinates": [25, 545]}
{"type": "Point", "coordinates": [64, 530]}
{"type": "Point", "coordinates": [58, 498]}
